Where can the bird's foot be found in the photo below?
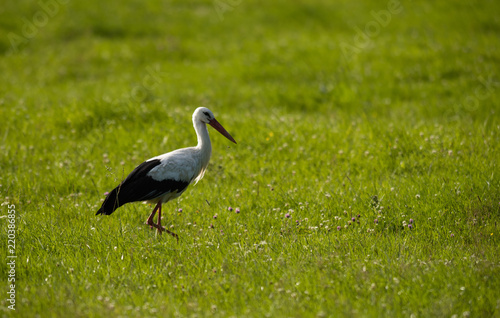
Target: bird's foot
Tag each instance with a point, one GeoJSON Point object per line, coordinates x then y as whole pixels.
{"type": "Point", "coordinates": [158, 227]}
{"type": "Point", "coordinates": [173, 234]}
{"type": "Point", "coordinates": [161, 229]}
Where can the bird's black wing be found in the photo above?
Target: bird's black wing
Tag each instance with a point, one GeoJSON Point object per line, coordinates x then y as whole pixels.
{"type": "Point", "coordinates": [139, 186]}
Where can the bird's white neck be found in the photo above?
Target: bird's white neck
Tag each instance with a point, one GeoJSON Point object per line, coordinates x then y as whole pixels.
{"type": "Point", "coordinates": [204, 144]}
{"type": "Point", "coordinates": [204, 147]}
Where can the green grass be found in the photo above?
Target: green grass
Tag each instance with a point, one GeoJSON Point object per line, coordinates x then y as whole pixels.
{"type": "Point", "coordinates": [404, 127]}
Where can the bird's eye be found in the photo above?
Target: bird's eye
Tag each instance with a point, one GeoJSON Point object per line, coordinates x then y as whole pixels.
{"type": "Point", "coordinates": [206, 114]}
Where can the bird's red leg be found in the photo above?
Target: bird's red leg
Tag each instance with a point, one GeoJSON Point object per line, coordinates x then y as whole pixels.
{"type": "Point", "coordinates": [150, 219]}
{"type": "Point", "coordinates": [158, 226]}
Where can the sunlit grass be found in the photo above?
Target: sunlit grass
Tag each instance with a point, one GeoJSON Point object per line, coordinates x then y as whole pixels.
{"type": "Point", "coordinates": [366, 186]}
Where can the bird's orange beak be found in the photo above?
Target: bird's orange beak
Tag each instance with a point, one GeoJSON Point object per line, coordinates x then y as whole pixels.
{"type": "Point", "coordinates": [214, 123]}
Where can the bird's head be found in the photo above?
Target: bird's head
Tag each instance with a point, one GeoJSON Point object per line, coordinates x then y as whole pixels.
{"type": "Point", "coordinates": [203, 114]}
{"type": "Point", "coordinates": [206, 116]}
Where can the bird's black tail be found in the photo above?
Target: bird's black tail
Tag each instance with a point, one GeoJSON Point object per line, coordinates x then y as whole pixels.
{"type": "Point", "coordinates": [111, 203]}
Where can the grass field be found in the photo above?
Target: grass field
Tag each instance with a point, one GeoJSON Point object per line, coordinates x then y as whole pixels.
{"type": "Point", "coordinates": [366, 171]}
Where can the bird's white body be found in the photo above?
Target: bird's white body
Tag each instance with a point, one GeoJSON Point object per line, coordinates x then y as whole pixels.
{"type": "Point", "coordinates": [186, 164]}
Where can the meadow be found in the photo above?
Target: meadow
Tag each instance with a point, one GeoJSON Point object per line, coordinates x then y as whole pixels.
{"type": "Point", "coordinates": [365, 181]}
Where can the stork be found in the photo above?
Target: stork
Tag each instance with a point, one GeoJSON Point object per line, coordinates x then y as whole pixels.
{"type": "Point", "coordinates": [165, 177]}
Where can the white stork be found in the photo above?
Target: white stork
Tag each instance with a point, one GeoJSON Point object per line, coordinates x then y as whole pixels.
{"type": "Point", "coordinates": [165, 177]}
